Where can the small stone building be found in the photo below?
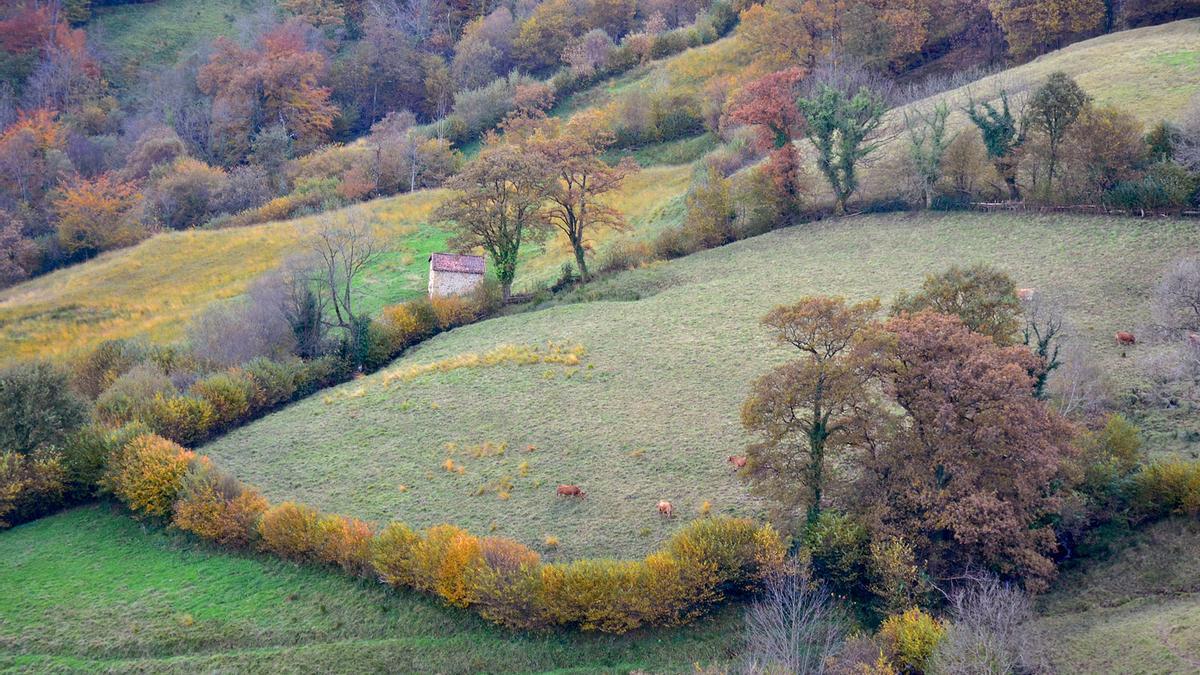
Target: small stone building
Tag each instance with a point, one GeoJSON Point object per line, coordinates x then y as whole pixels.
{"type": "Point", "coordinates": [451, 274]}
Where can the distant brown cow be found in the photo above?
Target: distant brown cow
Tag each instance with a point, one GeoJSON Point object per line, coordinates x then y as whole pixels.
{"type": "Point", "coordinates": [570, 491]}
{"type": "Point", "coordinates": [665, 509]}
{"type": "Point", "coordinates": [1124, 338]}
{"type": "Point", "coordinates": [1025, 294]}
{"type": "Point", "coordinates": [738, 461]}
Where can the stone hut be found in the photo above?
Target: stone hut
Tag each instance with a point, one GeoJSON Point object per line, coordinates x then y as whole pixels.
{"type": "Point", "coordinates": [451, 274]}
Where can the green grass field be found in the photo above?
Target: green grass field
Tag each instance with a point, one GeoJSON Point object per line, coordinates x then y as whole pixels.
{"type": "Point", "coordinates": [651, 412]}
{"type": "Point", "coordinates": [1138, 612]}
{"type": "Point", "coordinates": [92, 590]}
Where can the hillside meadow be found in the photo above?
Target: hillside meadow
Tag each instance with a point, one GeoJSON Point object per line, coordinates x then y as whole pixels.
{"type": "Point", "coordinates": [153, 289]}
{"type": "Point", "coordinates": [92, 590]}
{"type": "Point", "coordinates": [649, 408]}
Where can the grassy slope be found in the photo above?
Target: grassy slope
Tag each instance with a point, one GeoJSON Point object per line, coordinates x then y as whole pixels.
{"type": "Point", "coordinates": [90, 589]}
{"type": "Point", "coordinates": [153, 288]}
{"type": "Point", "coordinates": [652, 412]}
{"type": "Point", "coordinates": [1136, 613]}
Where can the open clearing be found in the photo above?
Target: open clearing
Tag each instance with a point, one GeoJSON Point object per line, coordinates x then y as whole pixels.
{"type": "Point", "coordinates": [90, 589]}
{"type": "Point", "coordinates": [651, 411]}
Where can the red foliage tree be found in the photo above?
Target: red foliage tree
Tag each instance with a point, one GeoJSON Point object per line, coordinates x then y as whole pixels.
{"type": "Point", "coordinates": [769, 104]}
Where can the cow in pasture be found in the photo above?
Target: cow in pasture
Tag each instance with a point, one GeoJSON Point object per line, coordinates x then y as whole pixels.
{"type": "Point", "coordinates": [1194, 339]}
{"type": "Point", "coordinates": [738, 461]}
{"type": "Point", "coordinates": [571, 491]}
{"type": "Point", "coordinates": [665, 509]}
{"type": "Point", "coordinates": [1025, 294]}
{"type": "Point", "coordinates": [1123, 338]}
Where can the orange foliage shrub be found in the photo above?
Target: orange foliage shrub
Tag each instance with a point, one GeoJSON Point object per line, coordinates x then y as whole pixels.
{"type": "Point", "coordinates": [229, 394]}
{"type": "Point", "coordinates": [213, 505]}
{"type": "Point", "coordinates": [452, 311]}
{"type": "Point", "coordinates": [291, 531]}
{"type": "Point", "coordinates": [147, 474]}
{"type": "Point", "coordinates": [345, 542]}
{"type": "Point", "coordinates": [94, 215]}
{"type": "Point", "coordinates": [410, 322]}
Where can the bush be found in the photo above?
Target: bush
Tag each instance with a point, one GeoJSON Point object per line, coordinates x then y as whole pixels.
{"type": "Point", "coordinates": [793, 627]}
{"type": "Point", "coordinates": [131, 395]}
{"type": "Point", "coordinates": [992, 631]}
{"type": "Point", "coordinates": [215, 506]}
{"type": "Point", "coordinates": [292, 531]}
{"type": "Point", "coordinates": [595, 594]}
{"type": "Point", "coordinates": [274, 382]}
{"type": "Point", "coordinates": [229, 394]}
{"type": "Point", "coordinates": [896, 580]}
{"type": "Point", "coordinates": [147, 473]}
{"type": "Point", "coordinates": [507, 587]}
{"type": "Point", "coordinates": [345, 542]}
{"type": "Point", "coordinates": [441, 562]}
{"type": "Point", "coordinates": [744, 553]}
{"type": "Point", "coordinates": [183, 419]}
{"type": "Point", "coordinates": [31, 485]}
{"type": "Point", "coordinates": [37, 407]}
{"type": "Point", "coordinates": [624, 255]}
{"type": "Point", "coordinates": [911, 638]}
{"type": "Point", "coordinates": [453, 311]}
{"type": "Point", "coordinates": [87, 453]}
{"type": "Point", "coordinates": [391, 555]}
{"type": "Point", "coordinates": [1165, 186]}
{"type": "Point", "coordinates": [100, 367]}
{"type": "Point", "coordinates": [1168, 487]}
{"type": "Point", "coordinates": [840, 550]}
{"type": "Point", "coordinates": [410, 323]}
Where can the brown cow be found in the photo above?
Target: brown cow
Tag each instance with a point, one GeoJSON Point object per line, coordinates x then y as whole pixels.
{"type": "Point", "coordinates": [665, 509]}
{"type": "Point", "coordinates": [1025, 294]}
{"type": "Point", "coordinates": [570, 491]}
{"type": "Point", "coordinates": [1124, 338]}
{"type": "Point", "coordinates": [738, 461]}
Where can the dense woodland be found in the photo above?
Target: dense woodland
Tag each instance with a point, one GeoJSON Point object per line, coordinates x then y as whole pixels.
{"type": "Point", "coordinates": [319, 103]}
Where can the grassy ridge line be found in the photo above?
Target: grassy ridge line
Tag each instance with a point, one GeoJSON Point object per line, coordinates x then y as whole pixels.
{"type": "Point", "coordinates": [652, 412]}
{"type": "Point", "coordinates": [92, 589]}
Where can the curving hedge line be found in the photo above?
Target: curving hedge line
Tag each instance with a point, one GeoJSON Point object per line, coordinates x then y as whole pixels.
{"type": "Point", "coordinates": [503, 580]}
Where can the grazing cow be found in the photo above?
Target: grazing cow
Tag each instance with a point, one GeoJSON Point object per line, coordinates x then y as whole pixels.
{"type": "Point", "coordinates": [1025, 294]}
{"type": "Point", "coordinates": [665, 509]}
{"type": "Point", "coordinates": [738, 461]}
{"type": "Point", "coordinates": [570, 491]}
{"type": "Point", "coordinates": [1194, 339]}
{"type": "Point", "coordinates": [1124, 338]}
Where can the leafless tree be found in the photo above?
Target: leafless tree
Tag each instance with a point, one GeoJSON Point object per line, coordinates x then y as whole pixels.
{"type": "Point", "coordinates": [1187, 143]}
{"type": "Point", "coordinates": [1077, 389]}
{"type": "Point", "coordinates": [990, 631]}
{"type": "Point", "coordinates": [254, 326]}
{"type": "Point", "coordinates": [1175, 306]}
{"type": "Point", "coordinates": [343, 249]}
{"type": "Point", "coordinates": [794, 627]}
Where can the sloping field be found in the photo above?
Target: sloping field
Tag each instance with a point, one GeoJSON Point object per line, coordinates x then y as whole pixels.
{"type": "Point", "coordinates": [1136, 613]}
{"type": "Point", "coordinates": [152, 289]}
{"type": "Point", "coordinates": [92, 590]}
{"type": "Point", "coordinates": [650, 411]}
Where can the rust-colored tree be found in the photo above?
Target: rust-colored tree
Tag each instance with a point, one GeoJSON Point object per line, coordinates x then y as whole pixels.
{"type": "Point", "coordinates": [95, 215]}
{"type": "Point", "coordinates": [574, 201]}
{"type": "Point", "coordinates": [275, 82]}
{"type": "Point", "coordinates": [809, 413]}
{"type": "Point", "coordinates": [1033, 26]}
{"type": "Point", "coordinates": [969, 472]}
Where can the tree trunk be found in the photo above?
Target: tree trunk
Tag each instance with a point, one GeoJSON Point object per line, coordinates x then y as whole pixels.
{"type": "Point", "coordinates": [581, 261]}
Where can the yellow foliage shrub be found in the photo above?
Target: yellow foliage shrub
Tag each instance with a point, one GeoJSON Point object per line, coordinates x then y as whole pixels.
{"type": "Point", "coordinates": [391, 555]}
{"type": "Point", "coordinates": [291, 531]}
{"type": "Point", "coordinates": [183, 419]}
{"type": "Point", "coordinates": [594, 594]}
{"type": "Point", "coordinates": [409, 322]}
{"type": "Point", "coordinates": [229, 394]}
{"type": "Point", "coordinates": [910, 638]}
{"type": "Point", "coordinates": [345, 542]}
{"type": "Point", "coordinates": [507, 587]}
{"type": "Point", "coordinates": [215, 506]}
{"type": "Point", "coordinates": [147, 474]}
{"type": "Point", "coordinates": [440, 562]}
{"type": "Point", "coordinates": [1169, 487]}
{"type": "Point", "coordinates": [743, 552]}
